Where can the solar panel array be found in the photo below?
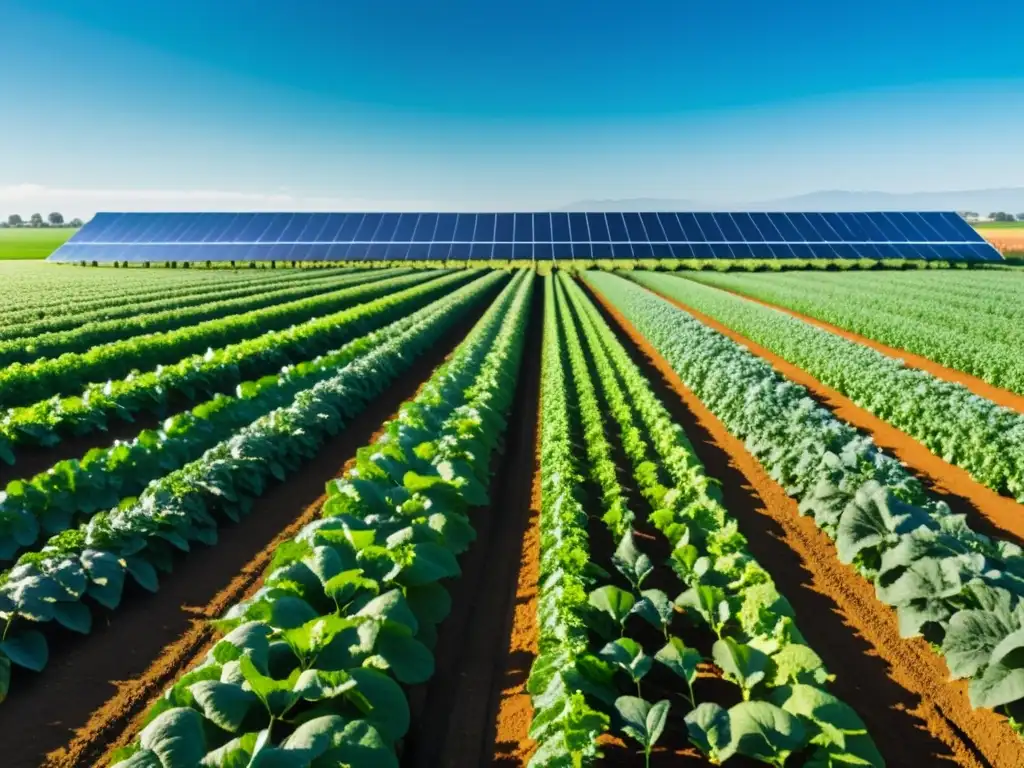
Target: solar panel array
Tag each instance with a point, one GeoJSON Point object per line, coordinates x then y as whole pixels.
{"type": "Point", "coordinates": [157, 237]}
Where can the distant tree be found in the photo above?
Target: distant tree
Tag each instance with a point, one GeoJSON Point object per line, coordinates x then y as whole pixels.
{"type": "Point", "coordinates": [4, 224]}
{"type": "Point", "coordinates": [76, 223]}
{"type": "Point", "coordinates": [1001, 216]}
{"type": "Point", "coordinates": [1020, 217]}
{"type": "Point", "coordinates": [56, 219]}
{"type": "Point", "coordinates": [970, 215]}
{"type": "Point", "coordinates": [15, 220]}
{"type": "Point", "coordinates": [36, 220]}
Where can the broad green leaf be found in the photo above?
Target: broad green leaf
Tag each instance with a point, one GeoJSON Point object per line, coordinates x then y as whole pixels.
{"type": "Point", "coordinates": [613, 601]}
{"type": "Point", "coordinates": [765, 732]}
{"type": "Point", "coordinates": [681, 659]}
{"type": "Point", "coordinates": [358, 745]}
{"type": "Point", "coordinates": [743, 664]}
{"type": "Point", "coordinates": [26, 649]}
{"type": "Point", "coordinates": [176, 737]}
{"type": "Point", "coordinates": [710, 731]}
{"type": "Point", "coordinates": [971, 637]}
{"type": "Point", "coordinates": [224, 704]}
{"type": "Point", "coordinates": [629, 655]}
{"type": "Point", "coordinates": [382, 703]}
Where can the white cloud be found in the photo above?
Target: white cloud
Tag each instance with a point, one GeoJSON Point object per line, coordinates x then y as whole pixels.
{"type": "Point", "coordinates": [84, 202]}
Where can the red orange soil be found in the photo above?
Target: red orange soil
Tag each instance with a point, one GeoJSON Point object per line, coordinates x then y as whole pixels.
{"type": "Point", "coordinates": [453, 712]}
{"type": "Point", "coordinates": [978, 386]}
{"type": "Point", "coordinates": [510, 744]}
{"type": "Point", "coordinates": [97, 687]}
{"type": "Point", "coordinates": [989, 512]}
{"type": "Point", "coordinates": [899, 687]}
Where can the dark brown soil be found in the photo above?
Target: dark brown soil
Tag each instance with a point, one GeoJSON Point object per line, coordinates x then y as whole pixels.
{"type": "Point", "coordinates": [93, 694]}
{"type": "Point", "coordinates": [453, 713]}
{"type": "Point", "coordinates": [899, 687]}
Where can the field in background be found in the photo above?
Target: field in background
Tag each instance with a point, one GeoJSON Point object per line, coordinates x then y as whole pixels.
{"type": "Point", "coordinates": [32, 243]}
{"type": "Point", "coordinates": [1007, 236]}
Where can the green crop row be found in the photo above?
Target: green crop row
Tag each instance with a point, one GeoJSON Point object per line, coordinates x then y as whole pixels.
{"type": "Point", "coordinates": [73, 312]}
{"type": "Point", "coordinates": [21, 384]}
{"type": "Point", "coordinates": [960, 427]}
{"type": "Point", "coordinates": [312, 668]}
{"type": "Point", "coordinates": [971, 348]}
{"type": "Point", "coordinates": [958, 589]}
{"type": "Point", "coordinates": [73, 490]}
{"type": "Point", "coordinates": [86, 335]}
{"type": "Point", "coordinates": [784, 708]}
{"type": "Point", "coordinates": [91, 563]}
{"type": "Point", "coordinates": [46, 422]}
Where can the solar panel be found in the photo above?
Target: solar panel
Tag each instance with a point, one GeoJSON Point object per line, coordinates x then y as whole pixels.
{"type": "Point", "coordinates": [543, 236]}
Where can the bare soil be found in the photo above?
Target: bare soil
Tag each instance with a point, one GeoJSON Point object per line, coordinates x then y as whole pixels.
{"type": "Point", "coordinates": [898, 687]}
{"type": "Point", "coordinates": [454, 712]}
{"type": "Point", "coordinates": [94, 693]}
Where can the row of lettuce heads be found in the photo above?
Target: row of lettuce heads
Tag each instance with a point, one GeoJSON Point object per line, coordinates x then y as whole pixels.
{"type": "Point", "coordinates": [312, 668]}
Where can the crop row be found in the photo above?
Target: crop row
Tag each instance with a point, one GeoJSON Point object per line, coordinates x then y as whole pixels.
{"type": "Point", "coordinates": [39, 287]}
{"type": "Point", "coordinates": [45, 423]}
{"type": "Point", "coordinates": [979, 353]}
{"type": "Point", "coordinates": [74, 489]}
{"type": "Point", "coordinates": [128, 303]}
{"type": "Point", "coordinates": [960, 590]}
{"type": "Point", "coordinates": [90, 564]}
{"type": "Point", "coordinates": [976, 317]}
{"type": "Point", "coordinates": [21, 384]}
{"type": "Point", "coordinates": [312, 668]}
{"type": "Point", "coordinates": [753, 640]}
{"type": "Point", "coordinates": [86, 335]}
{"type": "Point", "coordinates": [962, 428]}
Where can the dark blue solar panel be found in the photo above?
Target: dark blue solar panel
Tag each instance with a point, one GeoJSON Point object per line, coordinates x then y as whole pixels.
{"type": "Point", "coordinates": [378, 236]}
{"type": "Point", "coordinates": [579, 231]}
{"type": "Point", "coordinates": [560, 229]}
{"type": "Point", "coordinates": [465, 227]}
{"type": "Point", "coordinates": [542, 227]}
{"type": "Point", "coordinates": [524, 231]}
{"type": "Point", "coordinates": [617, 228]}
{"type": "Point", "coordinates": [728, 227]}
{"type": "Point", "coordinates": [385, 231]}
{"type": "Point", "coordinates": [598, 226]}
{"type": "Point", "coordinates": [484, 232]}
{"type": "Point", "coordinates": [504, 230]}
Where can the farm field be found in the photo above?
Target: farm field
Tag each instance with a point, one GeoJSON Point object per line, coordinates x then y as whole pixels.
{"type": "Point", "coordinates": [1007, 236]}
{"type": "Point", "coordinates": [26, 243]}
{"type": "Point", "coordinates": [454, 517]}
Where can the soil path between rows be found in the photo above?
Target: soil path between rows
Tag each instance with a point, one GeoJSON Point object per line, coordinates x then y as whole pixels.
{"type": "Point", "coordinates": [988, 512]}
{"type": "Point", "coordinates": [453, 713]}
{"type": "Point", "coordinates": [94, 694]}
{"type": "Point", "coordinates": [33, 460]}
{"type": "Point", "coordinates": [978, 386]}
{"type": "Point", "coordinates": [899, 687]}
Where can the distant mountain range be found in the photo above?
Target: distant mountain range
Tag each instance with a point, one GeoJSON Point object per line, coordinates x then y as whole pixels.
{"type": "Point", "coordinates": [982, 201]}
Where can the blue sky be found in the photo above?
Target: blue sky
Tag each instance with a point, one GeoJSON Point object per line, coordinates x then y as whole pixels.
{"type": "Point", "coordinates": [472, 104]}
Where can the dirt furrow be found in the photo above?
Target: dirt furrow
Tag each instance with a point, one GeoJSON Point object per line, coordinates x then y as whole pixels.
{"type": "Point", "coordinates": [453, 713]}
{"type": "Point", "coordinates": [899, 687]}
{"type": "Point", "coordinates": [978, 386]}
{"type": "Point", "coordinates": [96, 688]}
{"type": "Point", "coordinates": [988, 512]}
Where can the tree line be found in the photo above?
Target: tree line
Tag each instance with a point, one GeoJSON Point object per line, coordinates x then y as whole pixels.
{"type": "Point", "coordinates": [55, 219]}
{"type": "Point", "coordinates": [997, 216]}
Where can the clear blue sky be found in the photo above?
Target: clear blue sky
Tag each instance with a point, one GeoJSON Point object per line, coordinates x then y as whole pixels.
{"type": "Point", "coordinates": [480, 103]}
